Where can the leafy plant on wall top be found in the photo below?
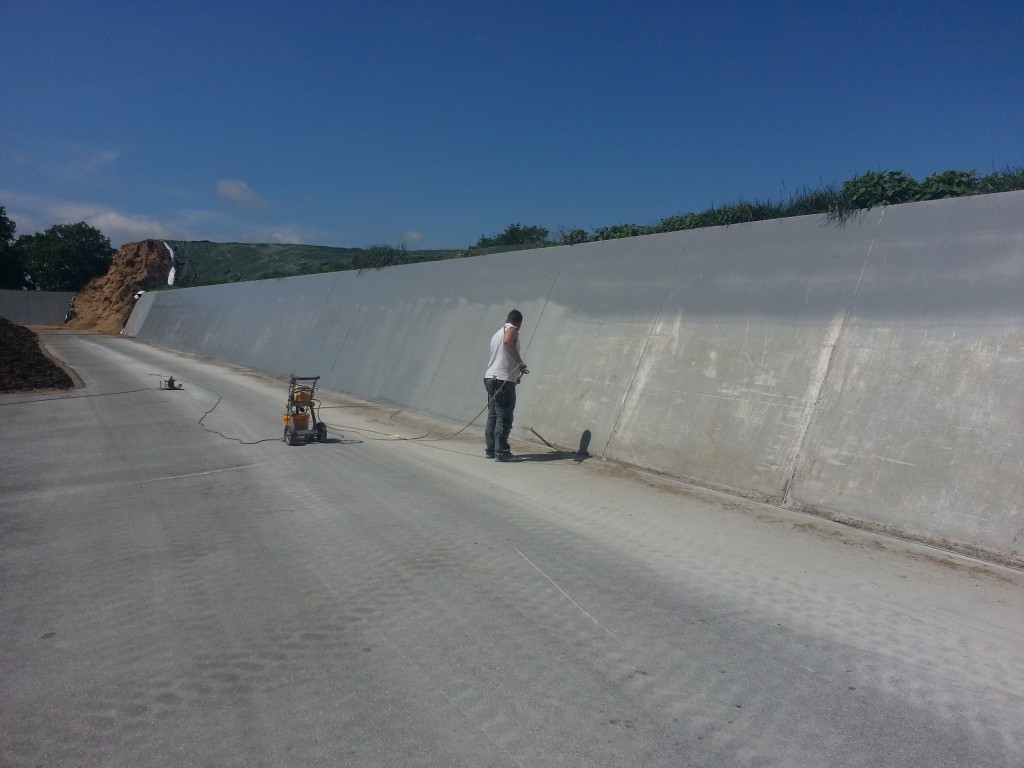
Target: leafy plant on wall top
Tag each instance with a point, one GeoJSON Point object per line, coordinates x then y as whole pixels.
{"type": "Point", "coordinates": [878, 188]}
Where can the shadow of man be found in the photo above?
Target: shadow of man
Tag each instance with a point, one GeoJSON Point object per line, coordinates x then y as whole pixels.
{"type": "Point", "coordinates": [559, 454]}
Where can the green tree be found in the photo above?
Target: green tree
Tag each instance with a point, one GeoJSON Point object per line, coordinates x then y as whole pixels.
{"type": "Point", "coordinates": [620, 230]}
{"type": "Point", "coordinates": [7, 228]}
{"type": "Point", "coordinates": [12, 273]}
{"type": "Point", "coordinates": [681, 221]}
{"type": "Point", "coordinates": [573, 237]}
{"type": "Point", "coordinates": [515, 234]}
{"type": "Point", "coordinates": [65, 257]}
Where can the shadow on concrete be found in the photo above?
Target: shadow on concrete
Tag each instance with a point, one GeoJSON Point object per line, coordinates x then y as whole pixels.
{"type": "Point", "coordinates": [330, 441]}
{"type": "Point", "coordinates": [553, 456]}
{"type": "Point", "coordinates": [559, 454]}
{"type": "Point", "coordinates": [342, 441]}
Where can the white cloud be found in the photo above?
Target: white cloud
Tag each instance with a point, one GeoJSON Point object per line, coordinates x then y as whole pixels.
{"type": "Point", "coordinates": [125, 229]}
{"type": "Point", "coordinates": [68, 212]}
{"type": "Point", "coordinates": [66, 162]}
{"type": "Point", "coordinates": [198, 217]}
{"type": "Point", "coordinates": [24, 223]}
{"type": "Point", "coordinates": [98, 160]}
{"type": "Point", "coordinates": [241, 193]}
{"type": "Point", "coordinates": [412, 238]}
{"type": "Point", "coordinates": [36, 214]}
{"type": "Point", "coordinates": [286, 238]}
{"type": "Point", "coordinates": [119, 227]}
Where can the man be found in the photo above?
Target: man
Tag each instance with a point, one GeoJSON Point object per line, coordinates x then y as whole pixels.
{"type": "Point", "coordinates": [505, 369]}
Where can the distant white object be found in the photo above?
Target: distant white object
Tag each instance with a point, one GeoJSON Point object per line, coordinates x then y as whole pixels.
{"type": "Point", "coordinates": [137, 295]}
{"type": "Point", "coordinates": [170, 275]}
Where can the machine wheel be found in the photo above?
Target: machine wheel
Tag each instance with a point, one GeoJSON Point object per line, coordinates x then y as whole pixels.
{"type": "Point", "coordinates": [289, 435]}
{"type": "Point", "coordinates": [321, 432]}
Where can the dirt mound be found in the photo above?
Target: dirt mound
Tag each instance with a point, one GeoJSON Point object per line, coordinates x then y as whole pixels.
{"type": "Point", "coordinates": [23, 365]}
{"type": "Point", "coordinates": [106, 302]}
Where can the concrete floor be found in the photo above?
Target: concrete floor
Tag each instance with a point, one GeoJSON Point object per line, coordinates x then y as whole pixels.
{"type": "Point", "coordinates": [181, 588]}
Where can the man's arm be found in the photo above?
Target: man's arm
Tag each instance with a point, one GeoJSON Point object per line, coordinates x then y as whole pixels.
{"type": "Point", "coordinates": [511, 334]}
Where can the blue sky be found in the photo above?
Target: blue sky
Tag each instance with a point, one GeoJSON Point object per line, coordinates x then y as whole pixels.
{"type": "Point", "coordinates": [433, 123]}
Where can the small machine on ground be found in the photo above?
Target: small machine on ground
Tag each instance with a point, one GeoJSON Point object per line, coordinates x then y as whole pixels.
{"type": "Point", "coordinates": [170, 383]}
{"type": "Point", "coordinates": [300, 422]}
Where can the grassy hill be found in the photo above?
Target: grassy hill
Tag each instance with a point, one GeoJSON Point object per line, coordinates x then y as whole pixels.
{"type": "Point", "coordinates": [201, 262]}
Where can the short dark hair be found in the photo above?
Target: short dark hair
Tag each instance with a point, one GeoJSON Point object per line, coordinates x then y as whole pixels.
{"type": "Point", "coordinates": [515, 316]}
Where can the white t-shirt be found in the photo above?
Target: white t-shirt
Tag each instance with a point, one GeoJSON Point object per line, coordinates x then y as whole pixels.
{"type": "Point", "coordinates": [502, 365]}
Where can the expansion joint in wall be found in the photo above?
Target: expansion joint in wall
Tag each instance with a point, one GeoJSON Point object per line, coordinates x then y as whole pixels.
{"type": "Point", "coordinates": [823, 373]}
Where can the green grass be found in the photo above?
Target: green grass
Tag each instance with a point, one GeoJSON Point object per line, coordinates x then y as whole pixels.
{"type": "Point", "coordinates": [206, 263]}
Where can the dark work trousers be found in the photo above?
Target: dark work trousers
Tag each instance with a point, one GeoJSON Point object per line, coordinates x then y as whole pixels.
{"type": "Point", "coordinates": [501, 403]}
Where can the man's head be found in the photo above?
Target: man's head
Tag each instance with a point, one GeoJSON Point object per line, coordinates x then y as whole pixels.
{"type": "Point", "coordinates": [515, 317]}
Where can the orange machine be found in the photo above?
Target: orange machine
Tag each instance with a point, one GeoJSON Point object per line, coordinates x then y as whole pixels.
{"type": "Point", "coordinates": [300, 422]}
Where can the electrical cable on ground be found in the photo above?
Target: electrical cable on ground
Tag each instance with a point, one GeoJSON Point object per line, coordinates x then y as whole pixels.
{"type": "Point", "coordinates": [228, 437]}
{"type": "Point", "coordinates": [317, 404]}
{"type": "Point", "coordinates": [426, 438]}
{"type": "Point", "coordinates": [74, 397]}
{"type": "Point", "coordinates": [221, 434]}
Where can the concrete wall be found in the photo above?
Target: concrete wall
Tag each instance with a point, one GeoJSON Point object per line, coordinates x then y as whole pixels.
{"type": "Point", "coordinates": [34, 307]}
{"type": "Point", "coordinates": [871, 372]}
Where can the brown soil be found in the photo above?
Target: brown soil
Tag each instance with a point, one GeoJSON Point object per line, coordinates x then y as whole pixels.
{"type": "Point", "coordinates": [104, 305]}
{"type": "Point", "coordinates": [23, 365]}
